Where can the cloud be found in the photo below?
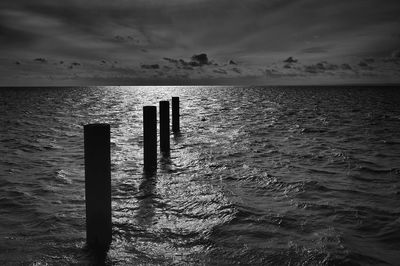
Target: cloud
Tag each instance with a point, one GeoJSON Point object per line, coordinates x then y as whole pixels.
{"type": "Point", "coordinates": [345, 66]}
{"type": "Point", "coordinates": [315, 50]}
{"type": "Point", "coordinates": [73, 65]}
{"type": "Point", "coordinates": [364, 64]}
{"type": "Point", "coordinates": [237, 70]}
{"type": "Point", "coordinates": [171, 60]}
{"type": "Point", "coordinates": [197, 60]}
{"type": "Point", "coordinates": [200, 59]}
{"type": "Point", "coordinates": [220, 71]}
{"type": "Point", "coordinates": [152, 66]}
{"type": "Point", "coordinates": [396, 54]}
{"type": "Point", "coordinates": [40, 60]}
{"type": "Point", "coordinates": [320, 67]}
{"type": "Point", "coordinates": [15, 36]}
{"type": "Point", "coordinates": [256, 33]}
{"type": "Point", "coordinates": [290, 60]}
{"type": "Point", "coordinates": [270, 72]}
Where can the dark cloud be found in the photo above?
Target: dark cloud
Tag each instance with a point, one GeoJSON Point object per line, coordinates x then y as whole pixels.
{"type": "Point", "coordinates": [320, 67]}
{"type": "Point", "coordinates": [237, 70]}
{"type": "Point", "coordinates": [345, 66]}
{"type": "Point", "coordinates": [196, 61]}
{"type": "Point", "coordinates": [187, 67]}
{"type": "Point", "coordinates": [290, 60]}
{"type": "Point", "coordinates": [275, 73]}
{"type": "Point", "coordinates": [171, 60]}
{"type": "Point", "coordinates": [220, 71]}
{"type": "Point", "coordinates": [313, 69]}
{"type": "Point", "coordinates": [119, 38]}
{"type": "Point", "coordinates": [153, 66]}
{"type": "Point", "coordinates": [40, 60]}
{"type": "Point", "coordinates": [393, 58]}
{"type": "Point", "coordinates": [200, 59]}
{"type": "Point", "coordinates": [75, 64]}
{"type": "Point", "coordinates": [363, 65]}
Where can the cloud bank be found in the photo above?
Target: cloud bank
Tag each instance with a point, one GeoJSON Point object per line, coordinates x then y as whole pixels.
{"type": "Point", "coordinates": [198, 41]}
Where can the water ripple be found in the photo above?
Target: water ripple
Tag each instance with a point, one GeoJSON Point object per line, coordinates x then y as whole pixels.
{"type": "Point", "coordinates": [258, 175]}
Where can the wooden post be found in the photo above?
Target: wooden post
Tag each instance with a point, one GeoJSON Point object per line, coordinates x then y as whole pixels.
{"type": "Point", "coordinates": [98, 186]}
{"type": "Point", "coordinates": [175, 114]}
{"type": "Point", "coordinates": [164, 127]}
{"type": "Point", "coordinates": [150, 137]}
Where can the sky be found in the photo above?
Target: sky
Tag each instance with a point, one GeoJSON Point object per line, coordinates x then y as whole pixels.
{"type": "Point", "coordinates": [199, 42]}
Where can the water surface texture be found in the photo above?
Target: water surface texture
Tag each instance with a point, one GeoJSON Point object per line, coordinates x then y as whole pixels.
{"type": "Point", "coordinates": [263, 175]}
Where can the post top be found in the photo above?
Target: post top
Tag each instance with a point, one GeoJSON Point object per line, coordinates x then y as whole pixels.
{"type": "Point", "coordinates": [97, 125]}
{"type": "Point", "coordinates": [149, 107]}
{"type": "Point", "coordinates": [164, 104]}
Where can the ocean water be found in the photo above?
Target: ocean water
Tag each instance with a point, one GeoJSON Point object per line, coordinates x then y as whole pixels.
{"type": "Point", "coordinates": [258, 176]}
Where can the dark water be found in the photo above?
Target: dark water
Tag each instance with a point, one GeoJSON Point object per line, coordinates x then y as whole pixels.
{"type": "Point", "coordinates": [292, 176]}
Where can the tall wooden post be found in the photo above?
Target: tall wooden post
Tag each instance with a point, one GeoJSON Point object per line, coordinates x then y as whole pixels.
{"type": "Point", "coordinates": [164, 127]}
{"type": "Point", "coordinates": [98, 186]}
{"type": "Point", "coordinates": [150, 137]}
{"type": "Point", "coordinates": [175, 114]}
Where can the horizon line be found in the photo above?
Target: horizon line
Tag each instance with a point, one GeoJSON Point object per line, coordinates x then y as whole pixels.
{"type": "Point", "coordinates": [216, 85]}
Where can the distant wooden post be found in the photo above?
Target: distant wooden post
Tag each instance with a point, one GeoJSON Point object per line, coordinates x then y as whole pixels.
{"type": "Point", "coordinates": [98, 186]}
{"type": "Point", "coordinates": [150, 137]}
{"type": "Point", "coordinates": [175, 114]}
{"type": "Point", "coordinates": [164, 127]}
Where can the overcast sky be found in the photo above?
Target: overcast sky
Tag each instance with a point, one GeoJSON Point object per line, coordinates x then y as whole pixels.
{"type": "Point", "coordinates": [125, 42]}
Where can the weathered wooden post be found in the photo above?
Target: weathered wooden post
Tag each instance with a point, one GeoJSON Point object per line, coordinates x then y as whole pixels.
{"type": "Point", "coordinates": [164, 127]}
{"type": "Point", "coordinates": [98, 186]}
{"type": "Point", "coordinates": [150, 137]}
{"type": "Point", "coordinates": [175, 114]}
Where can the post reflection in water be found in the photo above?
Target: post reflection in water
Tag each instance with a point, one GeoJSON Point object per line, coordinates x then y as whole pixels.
{"type": "Point", "coordinates": [145, 197]}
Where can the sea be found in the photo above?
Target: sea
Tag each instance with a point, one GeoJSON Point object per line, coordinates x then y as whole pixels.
{"type": "Point", "coordinates": [299, 175]}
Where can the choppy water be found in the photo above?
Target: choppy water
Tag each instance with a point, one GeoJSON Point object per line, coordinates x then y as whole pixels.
{"type": "Point", "coordinates": [289, 176]}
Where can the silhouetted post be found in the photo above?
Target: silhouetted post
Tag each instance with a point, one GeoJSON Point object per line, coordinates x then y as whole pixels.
{"type": "Point", "coordinates": [150, 137]}
{"type": "Point", "coordinates": [164, 127]}
{"type": "Point", "coordinates": [175, 114]}
{"type": "Point", "coordinates": [98, 186]}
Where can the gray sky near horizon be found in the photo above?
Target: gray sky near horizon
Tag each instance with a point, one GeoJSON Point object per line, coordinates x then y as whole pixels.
{"type": "Point", "coordinates": [122, 42]}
